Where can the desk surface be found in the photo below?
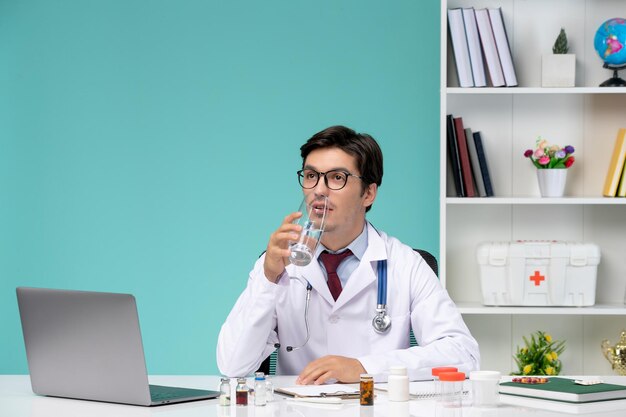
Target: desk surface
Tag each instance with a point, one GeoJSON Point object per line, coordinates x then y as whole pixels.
{"type": "Point", "coordinates": [17, 400]}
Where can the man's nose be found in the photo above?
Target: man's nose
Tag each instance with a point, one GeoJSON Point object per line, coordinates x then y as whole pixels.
{"type": "Point", "coordinates": [321, 189]}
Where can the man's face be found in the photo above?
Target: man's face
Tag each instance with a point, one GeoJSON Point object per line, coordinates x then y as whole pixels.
{"type": "Point", "coordinates": [346, 207]}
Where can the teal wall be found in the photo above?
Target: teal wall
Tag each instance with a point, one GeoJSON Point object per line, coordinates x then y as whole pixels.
{"type": "Point", "coordinates": [150, 147]}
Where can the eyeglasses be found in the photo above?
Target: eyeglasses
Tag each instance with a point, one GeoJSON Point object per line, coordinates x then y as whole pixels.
{"type": "Point", "coordinates": [335, 180]}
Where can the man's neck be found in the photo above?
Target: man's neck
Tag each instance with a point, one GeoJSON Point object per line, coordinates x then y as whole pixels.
{"type": "Point", "coordinates": [335, 241]}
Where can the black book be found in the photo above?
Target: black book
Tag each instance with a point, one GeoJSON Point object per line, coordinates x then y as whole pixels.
{"type": "Point", "coordinates": [453, 153]}
{"type": "Point", "coordinates": [482, 158]}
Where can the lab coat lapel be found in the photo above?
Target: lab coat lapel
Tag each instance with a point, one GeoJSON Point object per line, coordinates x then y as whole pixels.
{"type": "Point", "coordinates": [314, 274]}
{"type": "Point", "coordinates": [366, 272]}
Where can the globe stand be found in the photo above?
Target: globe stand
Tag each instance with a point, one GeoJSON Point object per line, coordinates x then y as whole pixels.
{"type": "Point", "coordinates": [614, 81]}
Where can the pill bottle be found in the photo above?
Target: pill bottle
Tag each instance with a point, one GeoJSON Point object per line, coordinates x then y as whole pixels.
{"type": "Point", "coordinates": [367, 389]}
{"type": "Point", "coordinates": [451, 388]}
{"type": "Point", "coordinates": [435, 373]}
{"type": "Point", "coordinates": [485, 387]}
{"type": "Point", "coordinates": [398, 384]}
{"type": "Point", "coordinates": [225, 391]}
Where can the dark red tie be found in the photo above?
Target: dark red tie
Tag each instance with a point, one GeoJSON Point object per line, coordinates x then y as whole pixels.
{"type": "Point", "coordinates": [331, 262]}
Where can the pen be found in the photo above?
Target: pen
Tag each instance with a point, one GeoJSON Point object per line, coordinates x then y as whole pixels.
{"type": "Point", "coordinates": [322, 400]}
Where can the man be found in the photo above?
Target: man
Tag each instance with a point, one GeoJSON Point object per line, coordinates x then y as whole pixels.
{"type": "Point", "coordinates": [327, 339]}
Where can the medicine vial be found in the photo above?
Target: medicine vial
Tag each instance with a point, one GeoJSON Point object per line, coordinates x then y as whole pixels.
{"type": "Point", "coordinates": [241, 392]}
{"type": "Point", "coordinates": [225, 391]}
{"type": "Point", "coordinates": [451, 388]}
{"type": "Point", "coordinates": [269, 388]}
{"type": "Point", "coordinates": [367, 389]}
{"type": "Point", "coordinates": [398, 384]}
{"type": "Point", "coordinates": [260, 389]}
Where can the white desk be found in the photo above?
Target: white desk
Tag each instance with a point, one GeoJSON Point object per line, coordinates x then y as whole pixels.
{"type": "Point", "coordinates": [17, 400]}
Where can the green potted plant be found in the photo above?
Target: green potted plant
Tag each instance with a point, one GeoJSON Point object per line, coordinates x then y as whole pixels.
{"type": "Point", "coordinates": [539, 355]}
{"type": "Point", "coordinates": [558, 69]}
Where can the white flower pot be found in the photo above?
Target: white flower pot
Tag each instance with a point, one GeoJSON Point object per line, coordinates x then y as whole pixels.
{"type": "Point", "coordinates": [552, 182]}
{"type": "Point", "coordinates": [558, 70]}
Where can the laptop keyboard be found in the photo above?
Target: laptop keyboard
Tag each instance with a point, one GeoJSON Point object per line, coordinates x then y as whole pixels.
{"type": "Point", "coordinates": [162, 393]}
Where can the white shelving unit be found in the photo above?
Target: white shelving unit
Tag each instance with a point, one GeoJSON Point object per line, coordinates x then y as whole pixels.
{"type": "Point", "coordinates": [510, 119]}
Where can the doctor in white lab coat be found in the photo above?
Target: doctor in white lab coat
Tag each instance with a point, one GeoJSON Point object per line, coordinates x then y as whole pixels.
{"type": "Point", "coordinates": [346, 167]}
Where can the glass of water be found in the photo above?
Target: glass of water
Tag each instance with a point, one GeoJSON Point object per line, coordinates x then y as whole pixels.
{"type": "Point", "coordinates": [313, 209]}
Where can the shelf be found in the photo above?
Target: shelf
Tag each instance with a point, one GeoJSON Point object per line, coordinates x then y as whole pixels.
{"type": "Point", "coordinates": [536, 90]}
{"type": "Point", "coordinates": [509, 119]}
{"type": "Point", "coordinates": [535, 201]}
{"type": "Point", "coordinates": [597, 310]}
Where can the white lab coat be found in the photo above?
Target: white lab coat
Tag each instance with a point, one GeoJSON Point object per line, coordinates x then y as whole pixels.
{"type": "Point", "coordinates": [268, 313]}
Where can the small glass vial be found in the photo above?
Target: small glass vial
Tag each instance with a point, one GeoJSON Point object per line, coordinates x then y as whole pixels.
{"type": "Point", "coordinates": [451, 388]}
{"type": "Point", "coordinates": [269, 388]}
{"type": "Point", "coordinates": [367, 389]}
{"type": "Point", "coordinates": [241, 392]}
{"type": "Point", "coordinates": [225, 391]}
{"type": "Point", "coordinates": [260, 389]}
{"type": "Point", "coordinates": [435, 373]}
{"type": "Point", "coordinates": [398, 384]}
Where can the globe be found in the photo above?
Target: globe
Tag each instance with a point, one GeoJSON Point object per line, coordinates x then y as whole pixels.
{"type": "Point", "coordinates": [610, 41]}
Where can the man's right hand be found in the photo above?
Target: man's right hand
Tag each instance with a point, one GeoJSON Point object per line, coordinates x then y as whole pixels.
{"type": "Point", "coordinates": [277, 253]}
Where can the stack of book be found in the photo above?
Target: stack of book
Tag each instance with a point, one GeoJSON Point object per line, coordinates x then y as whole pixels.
{"type": "Point", "coordinates": [468, 160]}
{"type": "Point", "coordinates": [615, 183]}
{"type": "Point", "coordinates": [479, 39]}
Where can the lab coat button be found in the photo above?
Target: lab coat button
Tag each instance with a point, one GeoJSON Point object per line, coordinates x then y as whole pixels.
{"type": "Point", "coordinates": [333, 319]}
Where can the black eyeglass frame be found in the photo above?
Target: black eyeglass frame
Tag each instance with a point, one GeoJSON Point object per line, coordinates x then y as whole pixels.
{"type": "Point", "coordinates": [324, 174]}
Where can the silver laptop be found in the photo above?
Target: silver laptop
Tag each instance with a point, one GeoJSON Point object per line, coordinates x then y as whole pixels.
{"type": "Point", "coordinates": [87, 345]}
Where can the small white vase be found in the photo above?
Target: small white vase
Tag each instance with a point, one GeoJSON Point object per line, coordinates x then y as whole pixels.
{"type": "Point", "coordinates": [558, 70]}
{"type": "Point", "coordinates": [552, 182]}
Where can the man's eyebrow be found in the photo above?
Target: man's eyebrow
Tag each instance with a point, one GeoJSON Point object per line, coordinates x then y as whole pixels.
{"type": "Point", "coordinates": [330, 170]}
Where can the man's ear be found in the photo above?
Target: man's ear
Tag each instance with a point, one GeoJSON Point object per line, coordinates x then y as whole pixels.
{"type": "Point", "coordinates": [369, 195]}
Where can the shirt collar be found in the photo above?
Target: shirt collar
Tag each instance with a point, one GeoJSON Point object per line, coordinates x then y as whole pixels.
{"type": "Point", "coordinates": [357, 246]}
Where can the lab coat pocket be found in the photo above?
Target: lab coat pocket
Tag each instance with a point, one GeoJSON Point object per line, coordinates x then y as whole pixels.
{"type": "Point", "coordinates": [397, 337]}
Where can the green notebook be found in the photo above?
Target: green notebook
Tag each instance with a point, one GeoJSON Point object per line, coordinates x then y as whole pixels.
{"type": "Point", "coordinates": [563, 389]}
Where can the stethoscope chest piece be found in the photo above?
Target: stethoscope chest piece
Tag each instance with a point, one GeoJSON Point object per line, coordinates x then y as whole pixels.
{"type": "Point", "coordinates": [381, 321]}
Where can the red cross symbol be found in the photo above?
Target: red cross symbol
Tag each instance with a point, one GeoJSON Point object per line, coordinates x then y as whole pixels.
{"type": "Point", "coordinates": [537, 278]}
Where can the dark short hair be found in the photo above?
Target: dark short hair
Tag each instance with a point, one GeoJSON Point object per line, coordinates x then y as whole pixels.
{"type": "Point", "coordinates": [369, 157]}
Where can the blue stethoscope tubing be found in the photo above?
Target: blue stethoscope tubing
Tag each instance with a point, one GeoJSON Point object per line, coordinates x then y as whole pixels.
{"type": "Point", "coordinates": [382, 282]}
{"type": "Point", "coordinates": [381, 321]}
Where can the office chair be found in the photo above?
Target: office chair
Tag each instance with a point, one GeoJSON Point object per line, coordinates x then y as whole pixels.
{"type": "Point", "coordinates": [268, 366]}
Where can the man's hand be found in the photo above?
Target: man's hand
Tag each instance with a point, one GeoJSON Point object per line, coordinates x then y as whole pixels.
{"type": "Point", "coordinates": [341, 368]}
{"type": "Point", "coordinates": [277, 253]}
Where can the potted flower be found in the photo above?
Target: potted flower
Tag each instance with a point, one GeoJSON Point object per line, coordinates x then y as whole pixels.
{"type": "Point", "coordinates": [559, 68]}
{"type": "Point", "coordinates": [539, 356]}
{"type": "Point", "coordinates": [551, 162]}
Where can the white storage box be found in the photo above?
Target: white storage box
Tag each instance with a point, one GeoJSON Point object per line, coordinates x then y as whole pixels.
{"type": "Point", "coordinates": [538, 273]}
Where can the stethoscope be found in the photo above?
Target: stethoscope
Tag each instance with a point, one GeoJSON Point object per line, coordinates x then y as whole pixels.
{"type": "Point", "coordinates": [381, 321]}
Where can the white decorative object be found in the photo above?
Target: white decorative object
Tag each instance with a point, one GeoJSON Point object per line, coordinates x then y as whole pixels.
{"type": "Point", "coordinates": [552, 182]}
{"type": "Point", "coordinates": [558, 70]}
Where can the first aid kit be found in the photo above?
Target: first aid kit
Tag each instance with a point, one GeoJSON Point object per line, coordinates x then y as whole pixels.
{"type": "Point", "coordinates": [538, 273]}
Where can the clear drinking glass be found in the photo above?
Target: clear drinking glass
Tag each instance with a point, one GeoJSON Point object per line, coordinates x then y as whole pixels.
{"type": "Point", "coordinates": [313, 209]}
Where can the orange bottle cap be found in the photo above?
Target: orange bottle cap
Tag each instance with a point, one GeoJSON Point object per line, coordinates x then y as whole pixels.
{"type": "Point", "coordinates": [451, 376]}
{"type": "Point", "coordinates": [437, 371]}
